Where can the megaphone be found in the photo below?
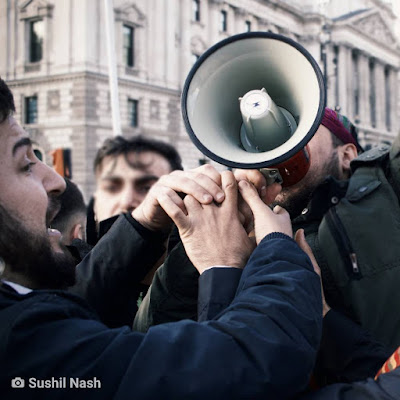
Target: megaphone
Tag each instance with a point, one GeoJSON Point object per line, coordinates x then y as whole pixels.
{"type": "Point", "coordinates": [254, 100]}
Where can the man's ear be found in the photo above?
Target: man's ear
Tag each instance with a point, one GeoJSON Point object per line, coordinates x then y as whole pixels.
{"type": "Point", "coordinates": [77, 232]}
{"type": "Point", "coordinates": [347, 153]}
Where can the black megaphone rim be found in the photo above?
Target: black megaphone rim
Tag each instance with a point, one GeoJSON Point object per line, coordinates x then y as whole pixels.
{"type": "Point", "coordinates": [294, 150]}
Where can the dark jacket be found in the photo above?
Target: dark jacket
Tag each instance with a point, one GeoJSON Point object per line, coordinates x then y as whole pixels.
{"type": "Point", "coordinates": [348, 354]}
{"type": "Point", "coordinates": [130, 298]}
{"type": "Point", "coordinates": [110, 274]}
{"type": "Point", "coordinates": [353, 228]}
{"type": "Point", "coordinates": [387, 387]}
{"type": "Point", "coordinates": [264, 340]}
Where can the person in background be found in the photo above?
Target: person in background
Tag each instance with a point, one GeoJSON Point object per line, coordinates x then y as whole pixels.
{"type": "Point", "coordinates": [71, 219]}
{"type": "Point", "coordinates": [126, 169]}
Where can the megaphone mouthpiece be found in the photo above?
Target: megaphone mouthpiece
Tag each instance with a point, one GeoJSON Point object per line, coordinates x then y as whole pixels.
{"type": "Point", "coordinates": [265, 126]}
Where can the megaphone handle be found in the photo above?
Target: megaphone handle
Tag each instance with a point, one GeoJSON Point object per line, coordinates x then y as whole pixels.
{"type": "Point", "coordinates": [271, 175]}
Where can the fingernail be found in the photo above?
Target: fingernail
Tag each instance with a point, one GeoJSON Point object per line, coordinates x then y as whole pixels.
{"type": "Point", "coordinates": [207, 198]}
{"type": "Point", "coordinates": [220, 196]}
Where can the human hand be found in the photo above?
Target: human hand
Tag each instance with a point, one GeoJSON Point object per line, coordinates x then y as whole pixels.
{"type": "Point", "coordinates": [266, 192]}
{"type": "Point", "coordinates": [301, 241]}
{"type": "Point", "coordinates": [212, 234]}
{"type": "Point", "coordinates": [203, 183]}
{"type": "Point", "coordinates": [266, 221]}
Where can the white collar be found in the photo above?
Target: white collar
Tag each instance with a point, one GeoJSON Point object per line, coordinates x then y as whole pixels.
{"type": "Point", "coordinates": [18, 288]}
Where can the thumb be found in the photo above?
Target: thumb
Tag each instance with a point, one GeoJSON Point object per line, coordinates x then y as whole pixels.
{"type": "Point", "coordinates": [175, 212]}
{"type": "Point", "coordinates": [251, 196]}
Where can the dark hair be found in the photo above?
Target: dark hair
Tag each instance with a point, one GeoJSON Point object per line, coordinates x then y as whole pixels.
{"type": "Point", "coordinates": [72, 203]}
{"type": "Point", "coordinates": [7, 106]}
{"type": "Point", "coordinates": [137, 144]}
{"type": "Point", "coordinates": [336, 142]}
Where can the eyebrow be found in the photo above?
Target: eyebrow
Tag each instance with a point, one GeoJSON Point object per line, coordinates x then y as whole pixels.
{"type": "Point", "coordinates": [141, 180]}
{"type": "Point", "coordinates": [21, 143]}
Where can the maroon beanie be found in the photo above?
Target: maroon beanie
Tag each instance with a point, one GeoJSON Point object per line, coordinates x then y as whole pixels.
{"type": "Point", "coordinates": [341, 127]}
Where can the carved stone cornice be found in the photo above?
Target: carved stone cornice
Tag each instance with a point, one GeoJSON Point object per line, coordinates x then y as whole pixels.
{"type": "Point", "coordinates": [375, 27]}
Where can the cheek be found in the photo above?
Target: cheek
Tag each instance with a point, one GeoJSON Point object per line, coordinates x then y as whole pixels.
{"type": "Point", "coordinates": [105, 205]}
{"type": "Point", "coordinates": [27, 204]}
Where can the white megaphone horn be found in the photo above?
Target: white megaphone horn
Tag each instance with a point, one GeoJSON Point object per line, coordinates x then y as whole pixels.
{"type": "Point", "coordinates": [254, 100]}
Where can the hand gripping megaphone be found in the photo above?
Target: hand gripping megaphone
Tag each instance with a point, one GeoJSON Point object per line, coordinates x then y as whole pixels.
{"type": "Point", "coordinates": [253, 101]}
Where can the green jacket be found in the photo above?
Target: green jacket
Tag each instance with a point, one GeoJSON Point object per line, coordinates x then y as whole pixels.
{"type": "Point", "coordinates": [353, 228]}
{"type": "Point", "coordinates": [357, 245]}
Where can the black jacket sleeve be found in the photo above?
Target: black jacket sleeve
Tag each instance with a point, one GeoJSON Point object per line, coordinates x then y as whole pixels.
{"type": "Point", "coordinates": [109, 275]}
{"type": "Point", "coordinates": [173, 293]}
{"type": "Point", "coordinates": [348, 353]}
{"type": "Point", "coordinates": [387, 387]}
{"type": "Point", "coordinates": [217, 288]}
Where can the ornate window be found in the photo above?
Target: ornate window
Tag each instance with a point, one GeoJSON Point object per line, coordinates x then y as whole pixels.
{"type": "Point", "coordinates": [36, 16]}
{"type": "Point", "coordinates": [130, 30]}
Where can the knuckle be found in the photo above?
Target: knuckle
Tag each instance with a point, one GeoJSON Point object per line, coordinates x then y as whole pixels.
{"type": "Point", "coordinates": [207, 167]}
{"type": "Point", "coordinates": [230, 186]}
{"type": "Point", "coordinates": [175, 173]}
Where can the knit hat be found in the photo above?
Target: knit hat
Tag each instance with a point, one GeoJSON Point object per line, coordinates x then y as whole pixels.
{"type": "Point", "coordinates": [341, 127]}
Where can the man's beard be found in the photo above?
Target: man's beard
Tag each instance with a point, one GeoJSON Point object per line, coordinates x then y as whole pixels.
{"type": "Point", "coordinates": [296, 198]}
{"type": "Point", "coordinates": [32, 256]}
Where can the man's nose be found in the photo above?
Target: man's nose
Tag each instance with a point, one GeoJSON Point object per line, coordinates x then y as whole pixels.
{"type": "Point", "coordinates": [52, 181]}
{"type": "Point", "coordinates": [129, 200]}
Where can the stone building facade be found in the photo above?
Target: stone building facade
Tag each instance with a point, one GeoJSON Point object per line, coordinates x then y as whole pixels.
{"type": "Point", "coordinates": [53, 56]}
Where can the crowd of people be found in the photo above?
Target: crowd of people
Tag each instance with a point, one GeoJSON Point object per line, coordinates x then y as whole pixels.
{"type": "Point", "coordinates": [199, 284]}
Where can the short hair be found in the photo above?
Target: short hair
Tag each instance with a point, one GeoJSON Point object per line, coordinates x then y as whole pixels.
{"type": "Point", "coordinates": [341, 128]}
{"type": "Point", "coordinates": [137, 144]}
{"type": "Point", "coordinates": [72, 204]}
{"type": "Point", "coordinates": [7, 106]}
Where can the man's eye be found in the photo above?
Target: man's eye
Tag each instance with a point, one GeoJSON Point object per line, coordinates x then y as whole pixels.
{"type": "Point", "coordinates": [28, 167]}
{"type": "Point", "coordinates": [144, 189]}
{"type": "Point", "coordinates": [111, 188]}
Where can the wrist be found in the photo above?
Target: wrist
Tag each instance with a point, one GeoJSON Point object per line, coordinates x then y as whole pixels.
{"type": "Point", "coordinates": [204, 266]}
{"type": "Point", "coordinates": [140, 217]}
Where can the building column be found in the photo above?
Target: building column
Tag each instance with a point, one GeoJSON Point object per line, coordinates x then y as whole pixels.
{"type": "Point", "coordinates": [394, 100]}
{"type": "Point", "coordinates": [380, 95]}
{"type": "Point", "coordinates": [330, 79]}
{"type": "Point", "coordinates": [343, 72]}
{"type": "Point", "coordinates": [363, 61]}
{"type": "Point", "coordinates": [185, 32]}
